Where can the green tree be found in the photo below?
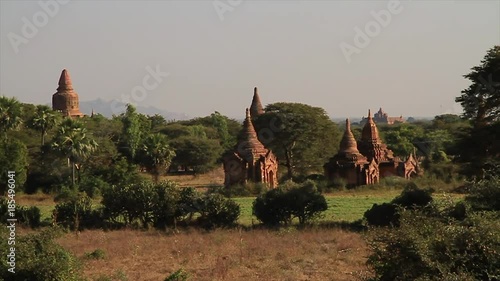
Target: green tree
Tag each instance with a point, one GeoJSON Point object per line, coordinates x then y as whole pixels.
{"type": "Point", "coordinates": [198, 154]}
{"type": "Point", "coordinates": [480, 147]}
{"type": "Point", "coordinates": [302, 136]}
{"type": "Point", "coordinates": [156, 155]}
{"type": "Point", "coordinates": [481, 100]}
{"type": "Point", "coordinates": [131, 134]}
{"type": "Point", "coordinates": [10, 114]}
{"type": "Point", "coordinates": [220, 123]}
{"type": "Point", "coordinates": [13, 157]}
{"type": "Point", "coordinates": [71, 141]}
{"type": "Point", "coordinates": [43, 120]}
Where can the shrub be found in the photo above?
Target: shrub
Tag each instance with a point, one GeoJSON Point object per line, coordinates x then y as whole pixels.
{"type": "Point", "coordinates": [271, 208]}
{"type": "Point", "coordinates": [382, 215]}
{"type": "Point", "coordinates": [164, 204]}
{"type": "Point", "coordinates": [485, 194]}
{"type": "Point", "coordinates": [179, 275]}
{"type": "Point", "coordinates": [97, 254]}
{"type": "Point", "coordinates": [92, 186]}
{"type": "Point", "coordinates": [77, 213]}
{"type": "Point", "coordinates": [189, 203]}
{"type": "Point", "coordinates": [386, 214]}
{"type": "Point", "coordinates": [280, 206]}
{"type": "Point", "coordinates": [218, 211]}
{"type": "Point", "coordinates": [39, 258]}
{"type": "Point", "coordinates": [437, 248]}
{"type": "Point", "coordinates": [28, 216]}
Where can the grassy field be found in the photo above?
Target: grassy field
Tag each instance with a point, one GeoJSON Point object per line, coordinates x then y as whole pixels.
{"type": "Point", "coordinates": [344, 206]}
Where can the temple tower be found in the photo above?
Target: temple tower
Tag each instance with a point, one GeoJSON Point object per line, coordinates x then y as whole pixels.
{"type": "Point", "coordinates": [250, 160]}
{"type": "Point", "coordinates": [65, 100]}
{"type": "Point", "coordinates": [349, 164]}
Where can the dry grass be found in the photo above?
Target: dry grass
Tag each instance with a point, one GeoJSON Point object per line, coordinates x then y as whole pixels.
{"type": "Point", "coordinates": [310, 254]}
{"type": "Point", "coordinates": [214, 177]}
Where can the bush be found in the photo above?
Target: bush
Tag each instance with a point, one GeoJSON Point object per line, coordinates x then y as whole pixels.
{"type": "Point", "coordinates": [218, 211]}
{"type": "Point", "coordinates": [382, 215]}
{"type": "Point", "coordinates": [179, 275]}
{"type": "Point", "coordinates": [386, 214]}
{"type": "Point", "coordinates": [97, 254]}
{"type": "Point", "coordinates": [280, 206]}
{"type": "Point", "coordinates": [485, 194]}
{"type": "Point", "coordinates": [437, 248]}
{"type": "Point", "coordinates": [92, 186]}
{"type": "Point", "coordinates": [77, 213]}
{"type": "Point", "coordinates": [271, 208]}
{"type": "Point", "coordinates": [39, 258]}
{"type": "Point", "coordinates": [28, 216]}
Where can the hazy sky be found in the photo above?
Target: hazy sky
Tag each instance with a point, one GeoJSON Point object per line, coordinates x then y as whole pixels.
{"type": "Point", "coordinates": [216, 51]}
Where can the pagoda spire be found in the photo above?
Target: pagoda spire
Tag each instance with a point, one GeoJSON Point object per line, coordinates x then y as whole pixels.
{"type": "Point", "coordinates": [65, 83]}
{"type": "Point", "coordinates": [370, 131]}
{"type": "Point", "coordinates": [256, 108]}
{"type": "Point", "coordinates": [248, 142]}
{"type": "Point", "coordinates": [348, 143]}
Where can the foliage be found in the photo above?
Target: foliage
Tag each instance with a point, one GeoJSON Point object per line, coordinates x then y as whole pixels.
{"type": "Point", "coordinates": [156, 155]}
{"type": "Point", "coordinates": [43, 120]}
{"type": "Point", "coordinates": [76, 213]}
{"type": "Point", "coordinates": [430, 247]}
{"type": "Point", "coordinates": [387, 214]}
{"type": "Point", "coordinates": [296, 133]}
{"type": "Point", "coordinates": [13, 157]}
{"type": "Point", "coordinates": [199, 154]}
{"type": "Point", "coordinates": [97, 254]}
{"type": "Point", "coordinates": [280, 206]}
{"type": "Point", "coordinates": [10, 115]}
{"type": "Point", "coordinates": [481, 100]}
{"type": "Point", "coordinates": [179, 275]}
{"type": "Point", "coordinates": [131, 134]}
{"type": "Point", "coordinates": [92, 186]}
{"type": "Point", "coordinates": [40, 258]}
{"type": "Point", "coordinates": [72, 142]}
{"type": "Point", "coordinates": [481, 104]}
{"type": "Point", "coordinates": [28, 216]}
{"type": "Point", "coordinates": [218, 211]}
{"type": "Point", "coordinates": [484, 194]}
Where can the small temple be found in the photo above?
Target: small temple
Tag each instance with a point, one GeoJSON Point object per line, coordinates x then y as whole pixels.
{"type": "Point", "coordinates": [381, 117]}
{"type": "Point", "coordinates": [250, 160]}
{"type": "Point", "coordinates": [366, 161]}
{"type": "Point", "coordinates": [350, 164]}
{"type": "Point", "coordinates": [65, 100]}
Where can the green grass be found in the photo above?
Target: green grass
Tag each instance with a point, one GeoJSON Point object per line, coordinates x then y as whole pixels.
{"type": "Point", "coordinates": [344, 206]}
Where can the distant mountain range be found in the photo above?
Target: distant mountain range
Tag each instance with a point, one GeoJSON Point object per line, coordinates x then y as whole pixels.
{"type": "Point", "coordinates": [108, 108]}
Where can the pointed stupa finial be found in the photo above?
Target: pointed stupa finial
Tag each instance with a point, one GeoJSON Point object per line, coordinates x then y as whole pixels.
{"type": "Point", "coordinates": [348, 143]}
{"type": "Point", "coordinates": [65, 81]}
{"type": "Point", "coordinates": [369, 114]}
{"type": "Point", "coordinates": [256, 108]}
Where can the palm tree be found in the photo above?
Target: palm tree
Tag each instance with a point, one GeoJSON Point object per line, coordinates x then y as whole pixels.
{"type": "Point", "coordinates": [43, 120]}
{"type": "Point", "coordinates": [10, 114]}
{"type": "Point", "coordinates": [156, 155]}
{"type": "Point", "coordinates": [72, 142]}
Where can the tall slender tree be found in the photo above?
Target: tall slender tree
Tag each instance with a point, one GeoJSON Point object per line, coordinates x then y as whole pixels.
{"type": "Point", "coordinates": [156, 155]}
{"type": "Point", "coordinates": [43, 120]}
{"type": "Point", "coordinates": [72, 142]}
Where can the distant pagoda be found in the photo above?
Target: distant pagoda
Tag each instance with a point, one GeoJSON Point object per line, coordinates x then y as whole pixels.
{"type": "Point", "coordinates": [65, 100]}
